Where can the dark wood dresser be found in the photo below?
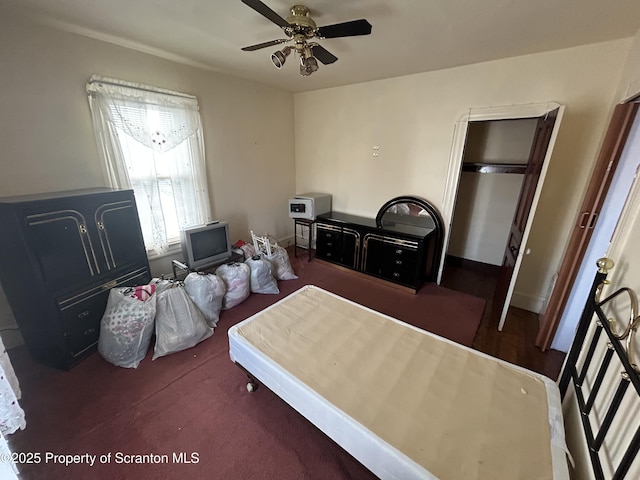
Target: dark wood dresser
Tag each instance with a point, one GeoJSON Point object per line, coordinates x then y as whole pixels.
{"type": "Point", "coordinates": [401, 245]}
{"type": "Point", "coordinates": [60, 254]}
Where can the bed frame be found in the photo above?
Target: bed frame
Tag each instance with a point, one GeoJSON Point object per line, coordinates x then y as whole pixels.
{"type": "Point", "coordinates": [590, 347]}
{"type": "Point", "coordinates": [266, 344]}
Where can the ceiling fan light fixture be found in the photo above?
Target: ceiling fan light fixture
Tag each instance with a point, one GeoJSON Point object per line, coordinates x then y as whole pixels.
{"type": "Point", "coordinates": [278, 58]}
{"type": "Point", "coordinates": [300, 28]}
{"type": "Point", "coordinates": [308, 65]}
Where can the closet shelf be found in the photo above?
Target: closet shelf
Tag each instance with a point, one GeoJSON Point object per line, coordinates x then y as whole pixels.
{"type": "Point", "coordinates": [494, 167]}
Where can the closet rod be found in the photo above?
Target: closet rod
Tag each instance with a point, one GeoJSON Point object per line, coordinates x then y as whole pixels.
{"type": "Point", "coordinates": [494, 167]}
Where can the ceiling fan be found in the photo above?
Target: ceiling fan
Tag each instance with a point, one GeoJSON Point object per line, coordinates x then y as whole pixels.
{"type": "Point", "coordinates": [300, 28]}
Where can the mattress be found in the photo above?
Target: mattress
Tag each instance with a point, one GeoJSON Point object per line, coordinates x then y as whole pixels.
{"type": "Point", "coordinates": [405, 403]}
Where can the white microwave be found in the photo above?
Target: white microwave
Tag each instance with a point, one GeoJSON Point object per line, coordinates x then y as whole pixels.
{"type": "Point", "coordinates": [309, 205]}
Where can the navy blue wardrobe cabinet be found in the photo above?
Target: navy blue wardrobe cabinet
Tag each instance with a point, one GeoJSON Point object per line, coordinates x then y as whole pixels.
{"type": "Point", "coordinates": [60, 255]}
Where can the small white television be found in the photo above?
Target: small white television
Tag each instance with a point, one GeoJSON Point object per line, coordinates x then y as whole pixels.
{"type": "Point", "coordinates": [204, 245]}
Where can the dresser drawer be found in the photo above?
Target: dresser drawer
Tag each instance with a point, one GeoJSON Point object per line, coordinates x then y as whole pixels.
{"type": "Point", "coordinates": [80, 314]}
{"type": "Point", "coordinates": [329, 244]}
{"type": "Point", "coordinates": [81, 322]}
{"type": "Point", "coordinates": [328, 237]}
{"type": "Point", "coordinates": [405, 275]}
{"type": "Point", "coordinates": [399, 261]}
{"type": "Point", "coordinates": [398, 258]}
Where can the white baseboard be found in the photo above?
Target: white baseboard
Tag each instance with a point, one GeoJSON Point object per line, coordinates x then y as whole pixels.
{"type": "Point", "coordinates": [285, 241]}
{"type": "Point", "coordinates": [529, 303]}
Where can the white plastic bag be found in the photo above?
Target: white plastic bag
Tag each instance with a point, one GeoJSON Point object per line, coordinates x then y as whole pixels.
{"type": "Point", "coordinates": [248, 250]}
{"type": "Point", "coordinates": [126, 328]}
{"type": "Point", "coordinates": [237, 278]}
{"type": "Point", "coordinates": [262, 280]}
{"type": "Point", "coordinates": [280, 263]}
{"type": "Point", "coordinates": [179, 323]}
{"type": "Point", "coordinates": [162, 284]}
{"type": "Point", "coordinates": [207, 292]}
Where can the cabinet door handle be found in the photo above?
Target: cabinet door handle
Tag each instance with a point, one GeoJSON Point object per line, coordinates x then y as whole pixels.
{"type": "Point", "coordinates": [83, 314]}
{"type": "Point", "coordinates": [89, 331]}
{"type": "Point", "coordinates": [328, 254]}
{"type": "Point", "coordinates": [109, 285]}
{"type": "Point", "coordinates": [396, 274]}
{"type": "Point", "coordinates": [329, 244]}
{"type": "Point", "coordinates": [398, 262]}
{"type": "Point", "coordinates": [328, 235]}
{"type": "Point", "coordinates": [398, 251]}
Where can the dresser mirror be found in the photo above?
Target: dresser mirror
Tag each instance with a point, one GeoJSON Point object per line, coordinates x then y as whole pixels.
{"type": "Point", "coordinates": [407, 213]}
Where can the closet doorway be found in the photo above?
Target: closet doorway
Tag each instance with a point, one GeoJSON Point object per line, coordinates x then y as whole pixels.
{"type": "Point", "coordinates": [493, 167]}
{"type": "Point", "coordinates": [497, 169]}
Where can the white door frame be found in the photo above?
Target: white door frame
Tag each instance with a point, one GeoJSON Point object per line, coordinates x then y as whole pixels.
{"type": "Point", "coordinates": [509, 112]}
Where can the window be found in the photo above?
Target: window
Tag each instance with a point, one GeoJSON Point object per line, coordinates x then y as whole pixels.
{"type": "Point", "coordinates": [151, 141]}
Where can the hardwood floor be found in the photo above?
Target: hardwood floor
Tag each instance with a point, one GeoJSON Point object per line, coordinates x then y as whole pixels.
{"type": "Point", "coordinates": [515, 343]}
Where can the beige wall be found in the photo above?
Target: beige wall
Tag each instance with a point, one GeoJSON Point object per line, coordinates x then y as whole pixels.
{"type": "Point", "coordinates": [504, 141]}
{"type": "Point", "coordinates": [411, 120]}
{"type": "Point", "coordinates": [48, 143]}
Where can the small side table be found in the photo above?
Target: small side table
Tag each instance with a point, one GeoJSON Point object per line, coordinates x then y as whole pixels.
{"type": "Point", "coordinates": [303, 222]}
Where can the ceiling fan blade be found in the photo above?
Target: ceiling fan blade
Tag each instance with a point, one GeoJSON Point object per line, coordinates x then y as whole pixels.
{"type": "Point", "coordinates": [266, 12]}
{"type": "Point", "coordinates": [258, 46]}
{"type": "Point", "coordinates": [346, 29]}
{"type": "Point", "coordinates": [322, 54]}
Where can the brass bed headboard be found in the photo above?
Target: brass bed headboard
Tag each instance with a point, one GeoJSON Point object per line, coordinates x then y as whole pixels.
{"type": "Point", "coordinates": [588, 391]}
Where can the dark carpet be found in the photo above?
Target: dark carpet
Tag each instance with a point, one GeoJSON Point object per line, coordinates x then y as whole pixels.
{"type": "Point", "coordinates": [191, 410]}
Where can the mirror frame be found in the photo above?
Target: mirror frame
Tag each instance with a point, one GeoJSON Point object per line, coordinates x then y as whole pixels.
{"type": "Point", "coordinates": [408, 199]}
{"type": "Point", "coordinates": [437, 220]}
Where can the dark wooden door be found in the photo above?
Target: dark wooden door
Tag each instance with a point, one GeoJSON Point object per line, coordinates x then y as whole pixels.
{"type": "Point", "coordinates": [60, 244]}
{"type": "Point", "coordinates": [612, 148]}
{"type": "Point", "coordinates": [350, 248]}
{"type": "Point", "coordinates": [540, 144]}
{"type": "Point", "coordinates": [373, 253]}
{"type": "Point", "coordinates": [121, 241]}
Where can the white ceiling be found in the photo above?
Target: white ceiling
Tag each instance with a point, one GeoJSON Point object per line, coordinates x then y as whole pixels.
{"type": "Point", "coordinates": [408, 36]}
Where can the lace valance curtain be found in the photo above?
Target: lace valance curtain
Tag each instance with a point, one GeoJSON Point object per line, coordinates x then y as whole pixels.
{"type": "Point", "coordinates": [130, 106]}
{"type": "Point", "coordinates": [168, 125]}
